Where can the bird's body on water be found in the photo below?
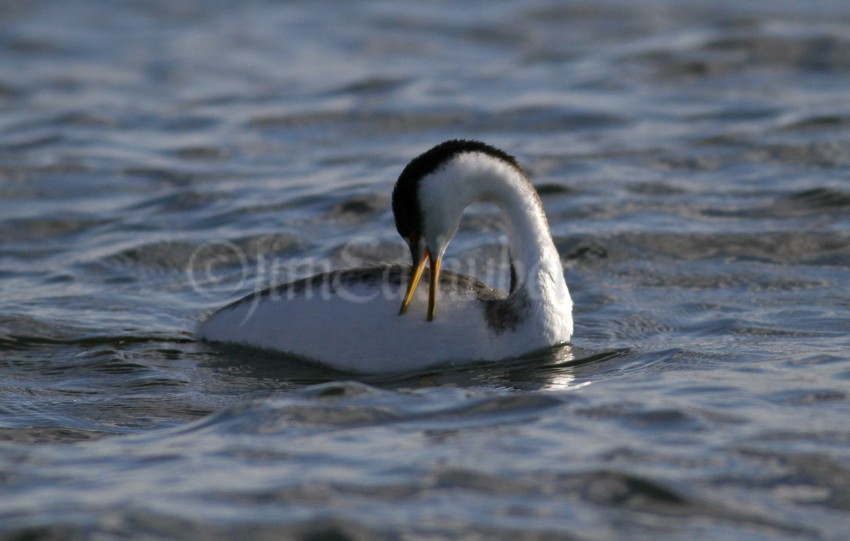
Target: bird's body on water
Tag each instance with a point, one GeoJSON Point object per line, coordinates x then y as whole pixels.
{"type": "Point", "coordinates": [350, 319]}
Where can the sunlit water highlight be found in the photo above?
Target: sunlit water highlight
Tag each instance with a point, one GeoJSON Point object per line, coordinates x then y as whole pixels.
{"type": "Point", "coordinates": [158, 159]}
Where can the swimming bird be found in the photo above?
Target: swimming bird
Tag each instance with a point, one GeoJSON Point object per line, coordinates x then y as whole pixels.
{"type": "Point", "coordinates": [351, 320]}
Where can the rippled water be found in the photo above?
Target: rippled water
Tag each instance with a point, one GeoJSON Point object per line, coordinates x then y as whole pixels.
{"type": "Point", "coordinates": [160, 158]}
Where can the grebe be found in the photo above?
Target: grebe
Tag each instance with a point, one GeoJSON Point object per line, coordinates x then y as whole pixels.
{"type": "Point", "coordinates": [350, 320]}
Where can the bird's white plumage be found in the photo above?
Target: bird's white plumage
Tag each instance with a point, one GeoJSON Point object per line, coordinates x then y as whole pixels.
{"type": "Point", "coordinates": [368, 335]}
{"type": "Point", "coordinates": [358, 328]}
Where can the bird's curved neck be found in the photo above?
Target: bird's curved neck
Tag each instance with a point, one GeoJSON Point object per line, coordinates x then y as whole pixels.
{"type": "Point", "coordinates": [476, 177]}
{"type": "Point", "coordinates": [534, 257]}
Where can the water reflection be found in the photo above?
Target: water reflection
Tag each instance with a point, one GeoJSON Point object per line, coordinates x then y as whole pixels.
{"type": "Point", "coordinates": [565, 381]}
{"type": "Point", "coordinates": [561, 368]}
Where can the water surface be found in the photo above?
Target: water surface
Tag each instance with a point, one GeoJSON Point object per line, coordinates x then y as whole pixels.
{"type": "Point", "coordinates": [158, 159]}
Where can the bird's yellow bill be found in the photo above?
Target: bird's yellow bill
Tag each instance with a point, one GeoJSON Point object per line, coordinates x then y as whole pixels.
{"type": "Point", "coordinates": [414, 281]}
{"type": "Point", "coordinates": [432, 285]}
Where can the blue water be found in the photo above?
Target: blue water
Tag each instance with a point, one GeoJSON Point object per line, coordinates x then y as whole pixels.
{"type": "Point", "coordinates": [159, 158]}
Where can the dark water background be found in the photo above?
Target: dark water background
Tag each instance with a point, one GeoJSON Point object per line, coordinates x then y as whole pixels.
{"type": "Point", "coordinates": [159, 158]}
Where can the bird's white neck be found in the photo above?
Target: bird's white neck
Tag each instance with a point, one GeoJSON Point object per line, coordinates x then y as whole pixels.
{"type": "Point", "coordinates": [471, 177]}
